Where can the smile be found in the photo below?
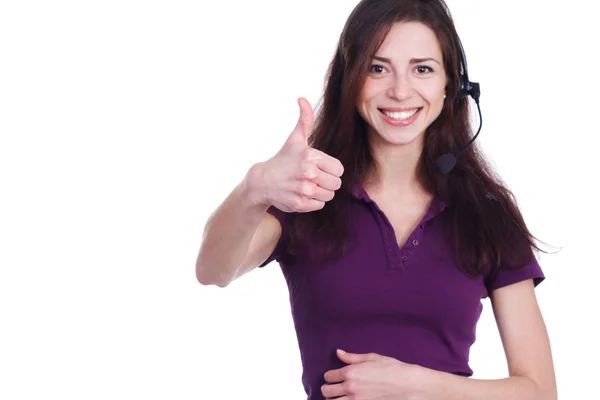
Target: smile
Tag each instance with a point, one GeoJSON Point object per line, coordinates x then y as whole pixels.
{"type": "Point", "coordinates": [400, 118]}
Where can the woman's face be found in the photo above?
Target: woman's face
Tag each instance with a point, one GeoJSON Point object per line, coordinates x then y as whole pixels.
{"type": "Point", "coordinates": [405, 86]}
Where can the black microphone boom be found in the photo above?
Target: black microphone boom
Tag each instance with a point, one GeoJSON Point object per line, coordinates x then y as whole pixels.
{"type": "Point", "coordinates": [446, 162]}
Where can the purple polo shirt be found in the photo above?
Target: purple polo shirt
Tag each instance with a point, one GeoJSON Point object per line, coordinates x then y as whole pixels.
{"type": "Point", "coordinates": [410, 303]}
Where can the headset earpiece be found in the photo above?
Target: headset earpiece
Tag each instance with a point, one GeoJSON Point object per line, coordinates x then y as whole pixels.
{"type": "Point", "coordinates": [465, 86]}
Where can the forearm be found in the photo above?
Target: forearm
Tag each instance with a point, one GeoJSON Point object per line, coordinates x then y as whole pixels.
{"type": "Point", "coordinates": [227, 235]}
{"type": "Point", "coordinates": [444, 386]}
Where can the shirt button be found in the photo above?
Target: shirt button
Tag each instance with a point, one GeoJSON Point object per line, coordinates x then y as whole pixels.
{"type": "Point", "coordinates": [415, 242]}
{"type": "Point", "coordinates": [404, 258]}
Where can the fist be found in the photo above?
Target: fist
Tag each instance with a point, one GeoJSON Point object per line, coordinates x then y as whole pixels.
{"type": "Point", "coordinates": [299, 178]}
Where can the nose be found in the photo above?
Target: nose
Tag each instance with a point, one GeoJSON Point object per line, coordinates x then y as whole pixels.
{"type": "Point", "coordinates": [400, 87]}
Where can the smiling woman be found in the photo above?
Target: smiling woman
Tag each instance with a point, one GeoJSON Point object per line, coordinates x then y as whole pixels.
{"type": "Point", "coordinates": [384, 255]}
{"type": "Point", "coordinates": [401, 78]}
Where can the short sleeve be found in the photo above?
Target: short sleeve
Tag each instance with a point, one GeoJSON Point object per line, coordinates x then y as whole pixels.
{"type": "Point", "coordinates": [508, 276]}
{"type": "Point", "coordinates": [277, 253]}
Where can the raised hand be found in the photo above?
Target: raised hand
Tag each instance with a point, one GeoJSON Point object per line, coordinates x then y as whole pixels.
{"type": "Point", "coordinates": [298, 178]}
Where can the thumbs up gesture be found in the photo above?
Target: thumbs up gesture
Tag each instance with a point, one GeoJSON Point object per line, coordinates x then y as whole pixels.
{"type": "Point", "coordinates": [298, 178]}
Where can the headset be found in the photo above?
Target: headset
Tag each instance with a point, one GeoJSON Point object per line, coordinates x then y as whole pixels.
{"type": "Point", "coordinates": [446, 162]}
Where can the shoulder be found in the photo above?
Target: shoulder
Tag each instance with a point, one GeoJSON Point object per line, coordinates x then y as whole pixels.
{"type": "Point", "coordinates": [503, 276]}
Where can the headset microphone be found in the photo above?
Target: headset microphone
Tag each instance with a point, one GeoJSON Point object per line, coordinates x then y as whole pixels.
{"type": "Point", "coordinates": [446, 162]}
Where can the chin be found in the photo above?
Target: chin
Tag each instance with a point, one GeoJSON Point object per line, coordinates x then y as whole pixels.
{"type": "Point", "coordinates": [399, 138]}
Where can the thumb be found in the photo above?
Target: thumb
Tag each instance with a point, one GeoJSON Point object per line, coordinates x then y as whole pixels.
{"type": "Point", "coordinates": [305, 122]}
{"type": "Point", "coordinates": [353, 358]}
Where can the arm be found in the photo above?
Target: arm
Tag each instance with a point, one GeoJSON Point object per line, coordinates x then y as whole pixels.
{"type": "Point", "coordinates": [445, 386]}
{"type": "Point", "coordinates": [237, 237]}
{"type": "Point", "coordinates": [240, 235]}
{"type": "Point", "coordinates": [526, 345]}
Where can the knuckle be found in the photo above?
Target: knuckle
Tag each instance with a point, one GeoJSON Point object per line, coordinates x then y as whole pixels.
{"type": "Point", "coordinates": [349, 387]}
{"type": "Point", "coordinates": [307, 189]}
{"type": "Point", "coordinates": [309, 171]}
{"type": "Point", "coordinates": [350, 375]}
{"type": "Point", "coordinates": [299, 204]}
{"type": "Point", "coordinates": [312, 154]}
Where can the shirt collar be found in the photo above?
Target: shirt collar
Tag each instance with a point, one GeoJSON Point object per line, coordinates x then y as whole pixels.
{"type": "Point", "coordinates": [437, 205]}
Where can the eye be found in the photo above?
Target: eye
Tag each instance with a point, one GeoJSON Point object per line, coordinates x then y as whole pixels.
{"type": "Point", "coordinates": [423, 69]}
{"type": "Point", "coordinates": [377, 69]}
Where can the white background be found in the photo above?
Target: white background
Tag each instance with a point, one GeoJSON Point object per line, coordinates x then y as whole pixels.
{"type": "Point", "coordinates": [125, 123]}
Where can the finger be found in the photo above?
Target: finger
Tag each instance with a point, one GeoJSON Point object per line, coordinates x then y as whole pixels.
{"type": "Point", "coordinates": [299, 135]}
{"type": "Point", "coordinates": [333, 390]}
{"type": "Point", "coordinates": [336, 375]}
{"type": "Point", "coordinates": [307, 117]}
{"type": "Point", "coordinates": [326, 163]}
{"type": "Point", "coordinates": [304, 204]}
{"type": "Point", "coordinates": [327, 181]}
{"type": "Point", "coordinates": [354, 358]}
{"type": "Point", "coordinates": [311, 190]}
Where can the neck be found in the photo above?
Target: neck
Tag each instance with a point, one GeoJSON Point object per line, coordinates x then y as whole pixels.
{"type": "Point", "coordinates": [396, 169]}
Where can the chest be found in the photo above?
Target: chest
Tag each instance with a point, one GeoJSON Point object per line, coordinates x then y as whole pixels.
{"type": "Point", "coordinates": [418, 286]}
{"type": "Point", "coordinates": [403, 218]}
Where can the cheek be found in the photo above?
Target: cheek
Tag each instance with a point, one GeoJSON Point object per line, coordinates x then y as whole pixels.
{"type": "Point", "coordinates": [370, 90]}
{"type": "Point", "coordinates": [435, 90]}
{"type": "Point", "coordinates": [435, 97]}
{"type": "Point", "coordinates": [364, 98]}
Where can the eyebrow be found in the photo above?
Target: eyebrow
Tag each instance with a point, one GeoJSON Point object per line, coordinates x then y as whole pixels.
{"type": "Point", "coordinates": [412, 60]}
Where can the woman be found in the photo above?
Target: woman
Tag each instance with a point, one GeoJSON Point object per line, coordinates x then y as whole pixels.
{"type": "Point", "coordinates": [386, 257]}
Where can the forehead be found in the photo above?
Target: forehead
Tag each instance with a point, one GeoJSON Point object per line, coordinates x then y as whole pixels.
{"type": "Point", "coordinates": [410, 39]}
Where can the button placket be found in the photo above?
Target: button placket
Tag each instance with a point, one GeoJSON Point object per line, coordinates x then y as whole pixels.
{"type": "Point", "coordinates": [414, 241]}
{"type": "Point", "coordinates": [388, 238]}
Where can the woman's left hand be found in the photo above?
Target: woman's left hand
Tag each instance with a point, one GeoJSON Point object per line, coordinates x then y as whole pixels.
{"type": "Point", "coordinates": [371, 377]}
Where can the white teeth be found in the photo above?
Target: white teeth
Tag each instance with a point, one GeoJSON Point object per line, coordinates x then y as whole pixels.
{"type": "Point", "coordinates": [401, 115]}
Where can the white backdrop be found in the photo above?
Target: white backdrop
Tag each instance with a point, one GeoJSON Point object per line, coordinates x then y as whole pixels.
{"type": "Point", "coordinates": [125, 123]}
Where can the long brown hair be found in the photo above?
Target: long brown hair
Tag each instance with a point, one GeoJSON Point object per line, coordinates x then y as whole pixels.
{"type": "Point", "coordinates": [482, 214]}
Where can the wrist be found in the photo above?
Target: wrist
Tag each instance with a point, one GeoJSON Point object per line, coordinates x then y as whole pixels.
{"type": "Point", "coordinates": [253, 187]}
{"type": "Point", "coordinates": [417, 380]}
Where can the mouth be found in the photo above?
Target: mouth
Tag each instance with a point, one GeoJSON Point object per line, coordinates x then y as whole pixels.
{"type": "Point", "coordinates": [400, 117]}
